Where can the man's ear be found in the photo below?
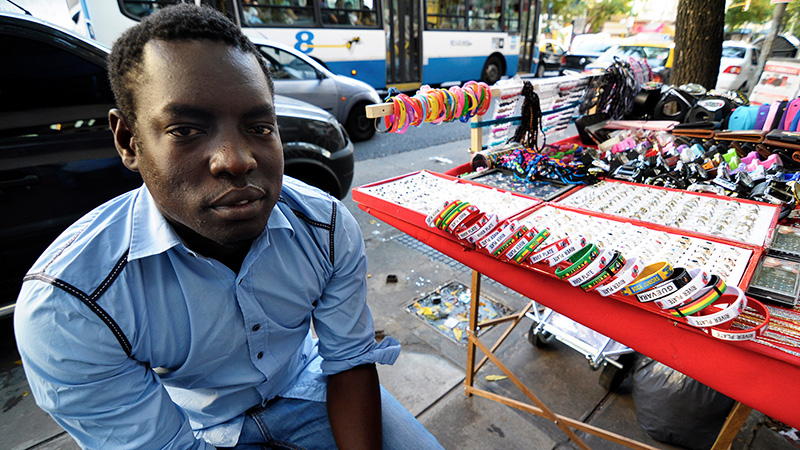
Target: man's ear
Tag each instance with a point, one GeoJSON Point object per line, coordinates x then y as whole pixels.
{"type": "Point", "coordinates": [123, 139]}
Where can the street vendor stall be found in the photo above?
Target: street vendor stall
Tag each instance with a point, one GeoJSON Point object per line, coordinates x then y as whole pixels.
{"type": "Point", "coordinates": [662, 271]}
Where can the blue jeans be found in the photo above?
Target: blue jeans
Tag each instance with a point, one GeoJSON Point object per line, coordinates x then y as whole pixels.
{"type": "Point", "coordinates": [286, 423]}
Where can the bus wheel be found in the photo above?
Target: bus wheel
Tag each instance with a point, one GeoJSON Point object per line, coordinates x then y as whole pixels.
{"type": "Point", "coordinates": [492, 70]}
{"type": "Point", "coordinates": [358, 126]}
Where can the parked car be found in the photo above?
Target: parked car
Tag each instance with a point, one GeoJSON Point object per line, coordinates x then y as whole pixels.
{"type": "Point", "coordinates": [737, 66]}
{"type": "Point", "coordinates": [299, 76]}
{"type": "Point", "coordinates": [551, 58]}
{"type": "Point", "coordinates": [585, 49]}
{"type": "Point", "coordinates": [659, 56]}
{"type": "Point", "coordinates": [57, 154]}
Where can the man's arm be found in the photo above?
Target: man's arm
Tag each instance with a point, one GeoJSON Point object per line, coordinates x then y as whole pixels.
{"type": "Point", "coordinates": [354, 408]}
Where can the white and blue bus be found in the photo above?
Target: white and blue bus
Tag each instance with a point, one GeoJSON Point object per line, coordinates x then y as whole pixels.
{"type": "Point", "coordinates": [385, 43]}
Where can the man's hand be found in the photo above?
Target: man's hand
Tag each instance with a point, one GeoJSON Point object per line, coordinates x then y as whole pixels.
{"type": "Point", "coordinates": [354, 408]}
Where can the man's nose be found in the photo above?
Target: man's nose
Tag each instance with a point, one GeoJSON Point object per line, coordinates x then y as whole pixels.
{"type": "Point", "coordinates": [232, 157]}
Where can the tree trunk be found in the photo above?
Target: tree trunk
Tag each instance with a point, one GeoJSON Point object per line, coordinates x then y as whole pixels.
{"type": "Point", "coordinates": [698, 42]}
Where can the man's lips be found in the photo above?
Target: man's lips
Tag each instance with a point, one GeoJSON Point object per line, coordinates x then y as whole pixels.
{"type": "Point", "coordinates": [239, 204]}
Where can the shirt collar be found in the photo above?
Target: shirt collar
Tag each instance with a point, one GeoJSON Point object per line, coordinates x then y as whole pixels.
{"type": "Point", "coordinates": [151, 234]}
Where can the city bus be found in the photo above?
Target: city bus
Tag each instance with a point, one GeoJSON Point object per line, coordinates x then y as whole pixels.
{"type": "Point", "coordinates": [385, 43]}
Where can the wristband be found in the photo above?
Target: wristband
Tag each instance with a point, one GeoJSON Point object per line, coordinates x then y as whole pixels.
{"type": "Point", "coordinates": [728, 334]}
{"type": "Point", "coordinates": [452, 215]}
{"type": "Point", "coordinates": [497, 237]}
{"type": "Point", "coordinates": [680, 277]}
{"type": "Point", "coordinates": [699, 280]}
{"type": "Point", "coordinates": [650, 276]}
{"type": "Point", "coordinates": [485, 229]}
{"type": "Point", "coordinates": [437, 221]}
{"type": "Point", "coordinates": [735, 302]}
{"type": "Point", "coordinates": [470, 225]}
{"type": "Point", "coordinates": [607, 273]}
{"type": "Point", "coordinates": [704, 297]}
{"type": "Point", "coordinates": [633, 267]}
{"type": "Point", "coordinates": [573, 246]}
{"type": "Point", "coordinates": [517, 247]}
{"type": "Point", "coordinates": [531, 246]}
{"type": "Point", "coordinates": [592, 269]}
{"type": "Point", "coordinates": [510, 241]}
{"type": "Point", "coordinates": [549, 250]}
{"type": "Point", "coordinates": [431, 218]}
{"type": "Point", "coordinates": [490, 237]}
{"type": "Point", "coordinates": [468, 212]}
{"type": "Point", "coordinates": [579, 261]}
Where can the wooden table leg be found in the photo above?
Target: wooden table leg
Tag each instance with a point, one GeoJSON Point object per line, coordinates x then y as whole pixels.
{"type": "Point", "coordinates": [731, 427]}
{"type": "Point", "coordinates": [473, 325]}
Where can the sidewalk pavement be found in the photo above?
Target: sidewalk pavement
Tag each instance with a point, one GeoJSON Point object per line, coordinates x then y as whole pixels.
{"type": "Point", "coordinates": [429, 374]}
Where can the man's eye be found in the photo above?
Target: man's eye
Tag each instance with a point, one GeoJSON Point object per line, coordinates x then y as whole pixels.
{"type": "Point", "coordinates": [260, 129]}
{"type": "Point", "coordinates": [184, 131]}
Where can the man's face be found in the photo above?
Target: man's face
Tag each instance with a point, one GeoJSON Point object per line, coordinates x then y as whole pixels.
{"type": "Point", "coordinates": [206, 141]}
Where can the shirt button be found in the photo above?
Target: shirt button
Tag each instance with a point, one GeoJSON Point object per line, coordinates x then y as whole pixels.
{"type": "Point", "coordinates": [260, 355]}
{"type": "Point", "coordinates": [256, 327]}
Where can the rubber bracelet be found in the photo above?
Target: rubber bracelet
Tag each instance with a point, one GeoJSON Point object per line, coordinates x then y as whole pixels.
{"type": "Point", "coordinates": [523, 241]}
{"type": "Point", "coordinates": [431, 218]}
{"type": "Point", "coordinates": [592, 269]}
{"type": "Point", "coordinates": [650, 276]}
{"type": "Point", "coordinates": [549, 250]}
{"type": "Point", "coordinates": [447, 210]}
{"type": "Point", "coordinates": [609, 271]}
{"type": "Point", "coordinates": [573, 246]}
{"type": "Point", "coordinates": [700, 279]}
{"type": "Point", "coordinates": [497, 237]}
{"type": "Point", "coordinates": [728, 334]}
{"type": "Point", "coordinates": [680, 277]}
{"type": "Point", "coordinates": [468, 211]}
{"type": "Point", "coordinates": [579, 261]}
{"type": "Point", "coordinates": [735, 302]}
{"type": "Point", "coordinates": [491, 222]}
{"type": "Point", "coordinates": [632, 269]}
{"type": "Point", "coordinates": [706, 296]}
{"type": "Point", "coordinates": [531, 246]}
{"type": "Point", "coordinates": [452, 214]}
{"type": "Point", "coordinates": [510, 241]}
{"type": "Point", "coordinates": [470, 225]}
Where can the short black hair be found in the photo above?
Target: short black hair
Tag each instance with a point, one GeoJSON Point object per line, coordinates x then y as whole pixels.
{"type": "Point", "coordinates": [174, 23]}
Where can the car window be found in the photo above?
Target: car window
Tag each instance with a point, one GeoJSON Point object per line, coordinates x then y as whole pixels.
{"type": "Point", "coordinates": [286, 66]}
{"type": "Point", "coordinates": [754, 56]}
{"type": "Point", "coordinates": [46, 91]}
{"type": "Point", "coordinates": [591, 47]}
{"type": "Point", "coordinates": [733, 52]}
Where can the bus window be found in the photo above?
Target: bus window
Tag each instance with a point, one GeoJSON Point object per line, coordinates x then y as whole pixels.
{"type": "Point", "coordinates": [136, 9]}
{"type": "Point", "coordinates": [348, 13]}
{"type": "Point", "coordinates": [277, 12]}
{"type": "Point", "coordinates": [446, 15]}
{"type": "Point", "coordinates": [485, 14]}
{"type": "Point", "coordinates": [512, 16]}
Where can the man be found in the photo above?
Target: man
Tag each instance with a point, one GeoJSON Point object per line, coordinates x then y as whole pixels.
{"type": "Point", "coordinates": [177, 316]}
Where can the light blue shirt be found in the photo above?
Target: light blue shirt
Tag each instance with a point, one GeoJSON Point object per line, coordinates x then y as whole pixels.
{"type": "Point", "coordinates": [137, 351]}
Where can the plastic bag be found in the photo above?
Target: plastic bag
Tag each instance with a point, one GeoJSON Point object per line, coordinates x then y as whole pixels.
{"type": "Point", "coordinates": [676, 409]}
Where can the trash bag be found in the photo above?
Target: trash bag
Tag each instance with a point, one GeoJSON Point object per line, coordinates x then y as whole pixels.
{"type": "Point", "coordinates": [675, 409]}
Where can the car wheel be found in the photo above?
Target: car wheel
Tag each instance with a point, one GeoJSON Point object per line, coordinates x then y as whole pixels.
{"type": "Point", "coordinates": [492, 70]}
{"type": "Point", "coordinates": [540, 70]}
{"type": "Point", "coordinates": [358, 126]}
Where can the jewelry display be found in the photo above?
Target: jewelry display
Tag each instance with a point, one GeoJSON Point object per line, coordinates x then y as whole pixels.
{"type": "Point", "coordinates": [726, 218]}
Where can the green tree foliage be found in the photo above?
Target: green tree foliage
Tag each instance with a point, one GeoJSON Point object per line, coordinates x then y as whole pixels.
{"type": "Point", "coordinates": [600, 11]}
{"type": "Point", "coordinates": [758, 12]}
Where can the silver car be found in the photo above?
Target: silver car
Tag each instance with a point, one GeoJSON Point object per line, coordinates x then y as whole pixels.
{"type": "Point", "coordinates": [299, 76]}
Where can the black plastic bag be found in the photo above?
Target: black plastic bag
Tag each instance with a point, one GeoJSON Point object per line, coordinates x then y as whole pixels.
{"type": "Point", "coordinates": [676, 409]}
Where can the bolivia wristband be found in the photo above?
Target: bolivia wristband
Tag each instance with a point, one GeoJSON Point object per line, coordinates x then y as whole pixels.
{"type": "Point", "coordinates": [573, 246]}
{"type": "Point", "coordinates": [706, 296]}
{"type": "Point", "coordinates": [679, 278]}
{"type": "Point", "coordinates": [651, 275]}
{"type": "Point", "coordinates": [629, 272]}
{"type": "Point", "coordinates": [431, 218]}
{"type": "Point", "coordinates": [734, 301]}
{"type": "Point", "coordinates": [437, 222]}
{"type": "Point", "coordinates": [699, 280]}
{"type": "Point", "coordinates": [614, 266]}
{"type": "Point", "coordinates": [579, 261]}
{"type": "Point", "coordinates": [549, 250]}
{"type": "Point", "coordinates": [510, 241]}
{"type": "Point", "coordinates": [502, 233]}
{"type": "Point", "coordinates": [450, 216]}
{"type": "Point", "coordinates": [531, 246]}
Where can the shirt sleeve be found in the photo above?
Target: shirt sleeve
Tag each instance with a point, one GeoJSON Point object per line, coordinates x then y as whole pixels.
{"type": "Point", "coordinates": [342, 319]}
{"type": "Point", "coordinates": [80, 375]}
